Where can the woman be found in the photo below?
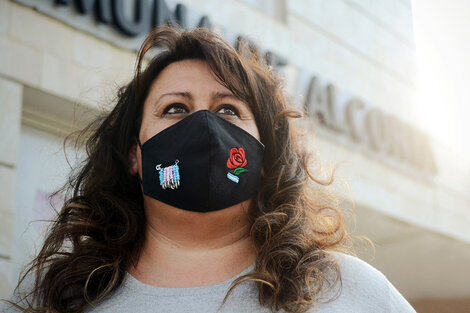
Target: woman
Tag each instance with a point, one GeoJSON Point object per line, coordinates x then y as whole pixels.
{"type": "Point", "coordinates": [196, 197]}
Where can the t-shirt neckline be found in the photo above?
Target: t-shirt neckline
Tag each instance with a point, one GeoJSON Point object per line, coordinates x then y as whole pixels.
{"type": "Point", "coordinates": [130, 282]}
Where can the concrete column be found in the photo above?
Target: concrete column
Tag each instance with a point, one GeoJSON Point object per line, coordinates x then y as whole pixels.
{"type": "Point", "coordinates": [11, 98]}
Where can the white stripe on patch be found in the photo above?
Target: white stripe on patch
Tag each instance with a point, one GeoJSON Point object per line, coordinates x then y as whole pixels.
{"type": "Point", "coordinates": [232, 177]}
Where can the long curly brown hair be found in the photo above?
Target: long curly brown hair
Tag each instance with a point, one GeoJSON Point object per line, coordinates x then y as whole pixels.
{"type": "Point", "coordinates": [99, 231]}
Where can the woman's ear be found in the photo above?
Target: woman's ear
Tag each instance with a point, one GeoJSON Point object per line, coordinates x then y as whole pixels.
{"type": "Point", "coordinates": [134, 159]}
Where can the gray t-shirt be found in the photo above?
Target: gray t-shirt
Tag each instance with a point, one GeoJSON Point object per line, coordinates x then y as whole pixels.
{"type": "Point", "coordinates": [365, 289]}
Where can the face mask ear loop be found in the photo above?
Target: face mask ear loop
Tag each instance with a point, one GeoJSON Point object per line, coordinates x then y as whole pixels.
{"type": "Point", "coordinates": [140, 146]}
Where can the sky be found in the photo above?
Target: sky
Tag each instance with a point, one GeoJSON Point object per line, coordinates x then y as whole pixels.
{"type": "Point", "coordinates": [442, 37]}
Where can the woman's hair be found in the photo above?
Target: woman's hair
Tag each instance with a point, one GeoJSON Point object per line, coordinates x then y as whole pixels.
{"type": "Point", "coordinates": [100, 229]}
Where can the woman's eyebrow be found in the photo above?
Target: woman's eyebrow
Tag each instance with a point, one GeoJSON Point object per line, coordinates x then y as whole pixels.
{"type": "Point", "coordinates": [221, 95]}
{"type": "Point", "coordinates": [189, 96]}
{"type": "Point", "coordinates": [184, 94]}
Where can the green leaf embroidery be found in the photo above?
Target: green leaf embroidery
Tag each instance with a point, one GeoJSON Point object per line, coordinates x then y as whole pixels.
{"type": "Point", "coordinates": [239, 170]}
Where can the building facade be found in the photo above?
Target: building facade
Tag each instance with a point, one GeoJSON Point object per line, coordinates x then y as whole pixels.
{"type": "Point", "coordinates": [350, 63]}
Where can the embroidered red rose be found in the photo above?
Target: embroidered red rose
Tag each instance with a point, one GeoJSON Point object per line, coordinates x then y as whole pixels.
{"type": "Point", "coordinates": [236, 159]}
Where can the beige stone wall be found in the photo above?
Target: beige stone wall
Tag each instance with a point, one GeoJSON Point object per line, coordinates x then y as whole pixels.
{"type": "Point", "coordinates": [10, 117]}
{"type": "Point", "coordinates": [44, 53]}
{"type": "Point", "coordinates": [363, 46]}
{"type": "Point", "coordinates": [39, 52]}
{"type": "Point", "coordinates": [442, 306]}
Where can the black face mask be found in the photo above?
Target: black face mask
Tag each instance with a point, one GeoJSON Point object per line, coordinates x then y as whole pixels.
{"type": "Point", "coordinates": [202, 163]}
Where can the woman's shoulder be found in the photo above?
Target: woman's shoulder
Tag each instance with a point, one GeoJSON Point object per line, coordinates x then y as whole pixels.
{"type": "Point", "coordinates": [20, 296]}
{"type": "Point", "coordinates": [357, 271]}
{"type": "Point", "coordinates": [364, 288]}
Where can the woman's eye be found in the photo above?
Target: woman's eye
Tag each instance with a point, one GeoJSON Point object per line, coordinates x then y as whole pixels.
{"type": "Point", "coordinates": [228, 109]}
{"type": "Point", "coordinates": [175, 108]}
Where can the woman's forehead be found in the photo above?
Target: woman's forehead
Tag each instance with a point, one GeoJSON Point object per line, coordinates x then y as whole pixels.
{"type": "Point", "coordinates": [188, 74]}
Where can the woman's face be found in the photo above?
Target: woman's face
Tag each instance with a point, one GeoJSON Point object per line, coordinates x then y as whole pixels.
{"type": "Point", "coordinates": [183, 88]}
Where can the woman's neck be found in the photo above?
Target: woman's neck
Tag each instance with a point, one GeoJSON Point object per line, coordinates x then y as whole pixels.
{"type": "Point", "coordinates": [190, 249]}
